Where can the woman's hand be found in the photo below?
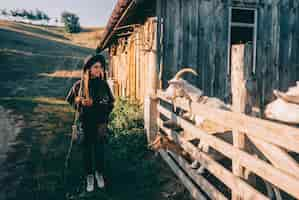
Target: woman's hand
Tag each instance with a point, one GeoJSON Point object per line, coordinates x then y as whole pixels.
{"type": "Point", "coordinates": [87, 102]}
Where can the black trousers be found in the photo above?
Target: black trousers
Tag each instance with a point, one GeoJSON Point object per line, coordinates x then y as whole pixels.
{"type": "Point", "coordinates": [93, 146]}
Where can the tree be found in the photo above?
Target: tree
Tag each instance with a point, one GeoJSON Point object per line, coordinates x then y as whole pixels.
{"type": "Point", "coordinates": [14, 13]}
{"type": "Point", "coordinates": [46, 17]}
{"type": "Point", "coordinates": [38, 14]}
{"type": "Point", "coordinates": [4, 12]}
{"type": "Point", "coordinates": [24, 13]}
{"type": "Point", "coordinates": [31, 15]}
{"type": "Point", "coordinates": [71, 22]}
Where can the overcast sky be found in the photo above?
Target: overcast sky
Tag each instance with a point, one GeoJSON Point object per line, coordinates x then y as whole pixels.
{"type": "Point", "coordinates": [91, 12]}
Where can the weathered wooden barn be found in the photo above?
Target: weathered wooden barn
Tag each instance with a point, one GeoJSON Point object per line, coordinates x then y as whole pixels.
{"type": "Point", "coordinates": [252, 42]}
{"type": "Point", "coordinates": [130, 36]}
{"type": "Point", "coordinates": [199, 34]}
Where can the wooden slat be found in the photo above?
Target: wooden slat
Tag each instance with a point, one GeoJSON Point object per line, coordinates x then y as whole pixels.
{"type": "Point", "coordinates": [137, 62]}
{"type": "Point", "coordinates": [278, 157]}
{"type": "Point", "coordinates": [289, 184]}
{"type": "Point", "coordinates": [196, 194]}
{"type": "Point", "coordinates": [216, 169]}
{"type": "Point", "coordinates": [150, 116]}
{"type": "Point", "coordinates": [279, 134]}
{"type": "Point", "coordinates": [215, 142]}
{"type": "Point", "coordinates": [206, 186]}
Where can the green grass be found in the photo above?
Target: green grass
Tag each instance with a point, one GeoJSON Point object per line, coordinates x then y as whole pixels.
{"type": "Point", "coordinates": [35, 162]}
{"type": "Point", "coordinates": [132, 171]}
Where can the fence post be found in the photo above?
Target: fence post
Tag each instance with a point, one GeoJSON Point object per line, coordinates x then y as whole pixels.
{"type": "Point", "coordinates": [150, 117]}
{"type": "Point", "coordinates": [150, 100]}
{"type": "Point", "coordinates": [240, 100]}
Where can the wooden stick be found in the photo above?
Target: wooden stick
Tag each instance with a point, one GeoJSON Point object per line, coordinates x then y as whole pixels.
{"type": "Point", "coordinates": [86, 85]}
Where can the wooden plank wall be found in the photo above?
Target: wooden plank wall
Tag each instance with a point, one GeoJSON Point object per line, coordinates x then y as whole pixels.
{"type": "Point", "coordinates": [194, 37]}
{"type": "Point", "coordinates": [129, 62]}
{"type": "Point", "coordinates": [195, 34]}
{"type": "Point", "coordinates": [277, 47]}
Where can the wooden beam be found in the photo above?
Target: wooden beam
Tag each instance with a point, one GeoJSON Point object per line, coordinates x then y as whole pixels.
{"type": "Point", "coordinates": [273, 175]}
{"type": "Point", "coordinates": [239, 103]}
{"type": "Point", "coordinates": [278, 157]}
{"type": "Point", "coordinates": [152, 58]}
{"type": "Point", "coordinates": [279, 134]}
{"type": "Point", "coordinates": [233, 182]}
{"type": "Point", "coordinates": [150, 102]}
{"type": "Point", "coordinates": [195, 193]}
{"type": "Point", "coordinates": [215, 142]}
{"type": "Point", "coordinates": [126, 27]}
{"type": "Point", "coordinates": [150, 117]}
{"type": "Point", "coordinates": [205, 185]}
{"type": "Point", "coordinates": [130, 6]}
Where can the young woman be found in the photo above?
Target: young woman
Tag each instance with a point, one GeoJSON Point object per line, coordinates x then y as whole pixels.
{"type": "Point", "coordinates": [94, 109]}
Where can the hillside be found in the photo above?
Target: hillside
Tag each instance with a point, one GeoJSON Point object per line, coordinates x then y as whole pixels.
{"type": "Point", "coordinates": [88, 37]}
{"type": "Point", "coordinates": [28, 52]}
{"type": "Point", "coordinates": [38, 65]}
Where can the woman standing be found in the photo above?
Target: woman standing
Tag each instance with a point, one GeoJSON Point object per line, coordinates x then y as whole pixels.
{"type": "Point", "coordinates": [94, 109]}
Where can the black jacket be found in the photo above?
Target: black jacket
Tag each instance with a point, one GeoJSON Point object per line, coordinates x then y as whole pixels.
{"type": "Point", "coordinates": [102, 97]}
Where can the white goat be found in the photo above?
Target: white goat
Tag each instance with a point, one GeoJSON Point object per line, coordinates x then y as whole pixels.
{"type": "Point", "coordinates": [180, 88]}
{"type": "Point", "coordinates": [286, 107]}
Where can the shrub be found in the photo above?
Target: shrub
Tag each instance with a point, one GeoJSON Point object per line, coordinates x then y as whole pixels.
{"type": "Point", "coordinates": [126, 115]}
{"type": "Point", "coordinates": [71, 22]}
{"type": "Point", "coordinates": [128, 155]}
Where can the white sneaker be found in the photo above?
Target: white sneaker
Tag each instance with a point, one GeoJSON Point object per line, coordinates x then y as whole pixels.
{"type": "Point", "coordinates": [90, 183]}
{"type": "Point", "coordinates": [100, 180]}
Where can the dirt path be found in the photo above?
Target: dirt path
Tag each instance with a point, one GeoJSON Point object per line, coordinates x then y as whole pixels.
{"type": "Point", "coordinates": [10, 127]}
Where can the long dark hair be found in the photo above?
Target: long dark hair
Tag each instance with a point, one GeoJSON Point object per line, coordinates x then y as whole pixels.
{"type": "Point", "coordinates": [91, 60]}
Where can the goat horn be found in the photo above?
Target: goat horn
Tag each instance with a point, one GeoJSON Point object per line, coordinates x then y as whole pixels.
{"type": "Point", "coordinates": [180, 73]}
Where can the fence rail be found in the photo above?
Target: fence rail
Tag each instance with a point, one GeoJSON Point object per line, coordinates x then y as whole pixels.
{"type": "Point", "coordinates": [273, 141]}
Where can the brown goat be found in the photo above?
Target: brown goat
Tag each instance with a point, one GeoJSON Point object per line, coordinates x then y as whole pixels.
{"type": "Point", "coordinates": [164, 142]}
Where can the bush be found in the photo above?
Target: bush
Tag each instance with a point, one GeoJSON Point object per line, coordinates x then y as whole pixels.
{"type": "Point", "coordinates": [129, 156]}
{"type": "Point", "coordinates": [71, 22]}
{"type": "Point", "coordinates": [4, 12]}
{"type": "Point", "coordinates": [126, 115]}
{"type": "Point", "coordinates": [127, 136]}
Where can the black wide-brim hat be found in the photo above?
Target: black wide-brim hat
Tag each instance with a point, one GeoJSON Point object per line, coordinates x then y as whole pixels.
{"type": "Point", "coordinates": [92, 59]}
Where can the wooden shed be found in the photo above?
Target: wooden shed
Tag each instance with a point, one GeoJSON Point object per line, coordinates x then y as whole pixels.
{"type": "Point", "coordinates": [256, 41]}
{"type": "Point", "coordinates": [130, 37]}
{"type": "Point", "coordinates": [200, 34]}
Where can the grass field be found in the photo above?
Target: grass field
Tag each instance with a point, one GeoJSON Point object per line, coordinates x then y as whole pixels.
{"type": "Point", "coordinates": [34, 164]}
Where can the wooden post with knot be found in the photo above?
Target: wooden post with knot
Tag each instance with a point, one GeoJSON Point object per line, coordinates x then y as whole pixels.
{"type": "Point", "coordinates": [150, 99]}
{"type": "Point", "coordinates": [240, 71]}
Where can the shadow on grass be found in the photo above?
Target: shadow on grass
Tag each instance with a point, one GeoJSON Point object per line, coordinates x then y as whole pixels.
{"type": "Point", "coordinates": [20, 73]}
{"type": "Point", "coordinates": [40, 153]}
{"type": "Point", "coordinates": [37, 30]}
{"type": "Point", "coordinates": [16, 40]}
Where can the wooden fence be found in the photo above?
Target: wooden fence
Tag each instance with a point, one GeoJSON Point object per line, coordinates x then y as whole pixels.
{"type": "Point", "coordinates": [272, 161]}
